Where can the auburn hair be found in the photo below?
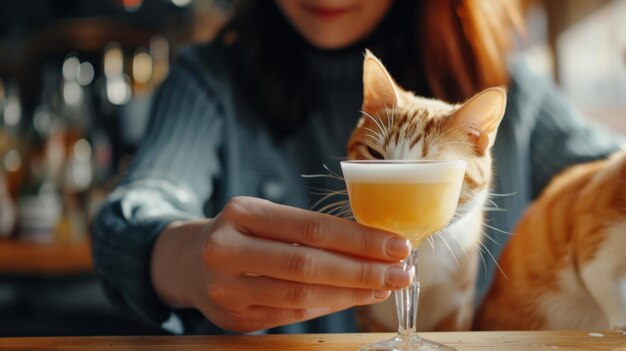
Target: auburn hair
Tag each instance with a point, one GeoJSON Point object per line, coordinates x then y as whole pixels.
{"type": "Point", "coordinates": [446, 49]}
{"type": "Point", "coordinates": [464, 44]}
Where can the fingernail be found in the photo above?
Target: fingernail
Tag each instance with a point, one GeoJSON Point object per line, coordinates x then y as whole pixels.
{"type": "Point", "coordinates": [396, 277]}
{"type": "Point", "coordinates": [399, 248]}
{"type": "Point", "coordinates": [381, 294]}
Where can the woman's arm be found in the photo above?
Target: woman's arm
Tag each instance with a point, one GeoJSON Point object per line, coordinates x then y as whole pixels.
{"type": "Point", "coordinates": [169, 179]}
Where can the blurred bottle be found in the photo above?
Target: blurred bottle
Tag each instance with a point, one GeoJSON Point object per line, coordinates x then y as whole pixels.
{"type": "Point", "coordinates": [11, 149]}
{"type": "Point", "coordinates": [39, 203]}
{"type": "Point", "coordinates": [11, 158]}
{"type": "Point", "coordinates": [77, 176]}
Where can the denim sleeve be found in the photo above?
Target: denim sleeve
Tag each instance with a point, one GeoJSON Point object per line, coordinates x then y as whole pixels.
{"type": "Point", "coordinates": [170, 178]}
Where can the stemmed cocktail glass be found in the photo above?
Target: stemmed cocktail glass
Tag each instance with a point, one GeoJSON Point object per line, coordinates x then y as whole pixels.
{"type": "Point", "coordinates": [414, 199]}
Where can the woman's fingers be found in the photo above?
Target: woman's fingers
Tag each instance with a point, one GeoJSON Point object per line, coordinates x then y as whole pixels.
{"type": "Point", "coordinates": [267, 265]}
{"type": "Point", "coordinates": [314, 266]}
{"type": "Point", "coordinates": [270, 292]}
{"type": "Point", "coordinates": [261, 218]}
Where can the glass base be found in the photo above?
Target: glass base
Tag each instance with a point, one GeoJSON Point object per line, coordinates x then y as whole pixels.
{"type": "Point", "coordinates": [409, 343]}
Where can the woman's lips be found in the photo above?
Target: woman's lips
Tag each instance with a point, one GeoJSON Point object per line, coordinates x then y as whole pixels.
{"type": "Point", "coordinates": [328, 13]}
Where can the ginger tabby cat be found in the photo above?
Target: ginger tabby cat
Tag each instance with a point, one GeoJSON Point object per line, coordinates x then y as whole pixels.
{"type": "Point", "coordinates": [396, 124]}
{"type": "Point", "coordinates": [564, 264]}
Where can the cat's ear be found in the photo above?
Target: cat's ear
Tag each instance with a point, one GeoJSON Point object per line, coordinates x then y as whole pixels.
{"type": "Point", "coordinates": [379, 89]}
{"type": "Point", "coordinates": [481, 116]}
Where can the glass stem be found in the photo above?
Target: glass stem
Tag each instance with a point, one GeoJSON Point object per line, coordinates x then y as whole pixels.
{"type": "Point", "coordinates": [407, 299]}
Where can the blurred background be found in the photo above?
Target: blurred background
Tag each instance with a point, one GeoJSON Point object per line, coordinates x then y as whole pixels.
{"type": "Point", "coordinates": [76, 83]}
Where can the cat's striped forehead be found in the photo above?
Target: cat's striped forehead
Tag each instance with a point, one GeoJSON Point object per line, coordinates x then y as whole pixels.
{"type": "Point", "coordinates": [407, 132]}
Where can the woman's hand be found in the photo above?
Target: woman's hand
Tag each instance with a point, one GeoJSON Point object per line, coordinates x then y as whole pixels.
{"type": "Point", "coordinates": [259, 265]}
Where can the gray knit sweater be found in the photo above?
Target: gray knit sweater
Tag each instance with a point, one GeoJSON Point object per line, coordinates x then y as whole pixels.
{"type": "Point", "coordinates": [204, 146]}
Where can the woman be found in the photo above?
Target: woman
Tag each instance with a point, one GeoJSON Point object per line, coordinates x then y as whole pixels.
{"type": "Point", "coordinates": [274, 97]}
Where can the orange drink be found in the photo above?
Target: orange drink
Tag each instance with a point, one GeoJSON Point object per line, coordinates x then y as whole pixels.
{"type": "Point", "coordinates": [411, 199]}
{"type": "Point", "coordinates": [414, 210]}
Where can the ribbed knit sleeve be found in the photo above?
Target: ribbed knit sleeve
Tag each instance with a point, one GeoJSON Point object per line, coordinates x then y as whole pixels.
{"type": "Point", "coordinates": [562, 137]}
{"type": "Point", "coordinates": [170, 179]}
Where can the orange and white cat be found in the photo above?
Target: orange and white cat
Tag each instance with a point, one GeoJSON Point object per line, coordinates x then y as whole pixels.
{"type": "Point", "coordinates": [566, 265]}
{"type": "Point", "coordinates": [396, 124]}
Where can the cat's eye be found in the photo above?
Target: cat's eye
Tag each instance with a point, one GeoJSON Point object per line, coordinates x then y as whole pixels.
{"type": "Point", "coordinates": [375, 154]}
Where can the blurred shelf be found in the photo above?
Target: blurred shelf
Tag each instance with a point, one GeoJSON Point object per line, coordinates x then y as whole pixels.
{"type": "Point", "coordinates": [19, 258]}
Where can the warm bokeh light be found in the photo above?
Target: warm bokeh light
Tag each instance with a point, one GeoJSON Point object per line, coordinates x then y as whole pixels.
{"type": "Point", "coordinates": [142, 67]}
{"type": "Point", "coordinates": [13, 161]}
{"type": "Point", "coordinates": [113, 60]}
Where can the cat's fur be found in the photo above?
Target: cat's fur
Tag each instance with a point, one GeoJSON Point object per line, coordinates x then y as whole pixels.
{"type": "Point", "coordinates": [566, 265]}
{"type": "Point", "coordinates": [396, 124]}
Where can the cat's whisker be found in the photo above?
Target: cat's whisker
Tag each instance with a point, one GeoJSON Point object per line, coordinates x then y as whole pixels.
{"type": "Point", "coordinates": [494, 259]}
{"type": "Point", "coordinates": [342, 212]}
{"type": "Point", "coordinates": [386, 111]}
{"type": "Point", "coordinates": [494, 209]}
{"type": "Point", "coordinates": [332, 209]}
{"type": "Point", "coordinates": [497, 230]}
{"type": "Point", "coordinates": [390, 115]}
{"type": "Point", "coordinates": [482, 257]}
{"type": "Point", "coordinates": [346, 214]}
{"type": "Point", "coordinates": [431, 241]}
{"type": "Point", "coordinates": [326, 197]}
{"type": "Point", "coordinates": [321, 192]}
{"type": "Point", "coordinates": [490, 238]}
{"type": "Point", "coordinates": [490, 194]}
{"type": "Point", "coordinates": [462, 247]}
{"type": "Point", "coordinates": [326, 191]}
{"type": "Point", "coordinates": [449, 248]}
{"type": "Point", "coordinates": [333, 205]}
{"type": "Point", "coordinates": [380, 127]}
{"type": "Point", "coordinates": [333, 173]}
{"type": "Point", "coordinates": [456, 216]}
{"type": "Point", "coordinates": [377, 136]}
{"type": "Point", "coordinates": [502, 195]}
{"type": "Point", "coordinates": [493, 203]}
{"type": "Point", "coordinates": [386, 131]}
{"type": "Point", "coordinates": [373, 138]}
{"type": "Point", "coordinates": [476, 192]}
{"type": "Point", "coordinates": [321, 176]}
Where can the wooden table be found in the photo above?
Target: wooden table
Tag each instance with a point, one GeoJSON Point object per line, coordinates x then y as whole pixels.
{"type": "Point", "coordinates": [562, 340]}
{"type": "Point", "coordinates": [32, 259]}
